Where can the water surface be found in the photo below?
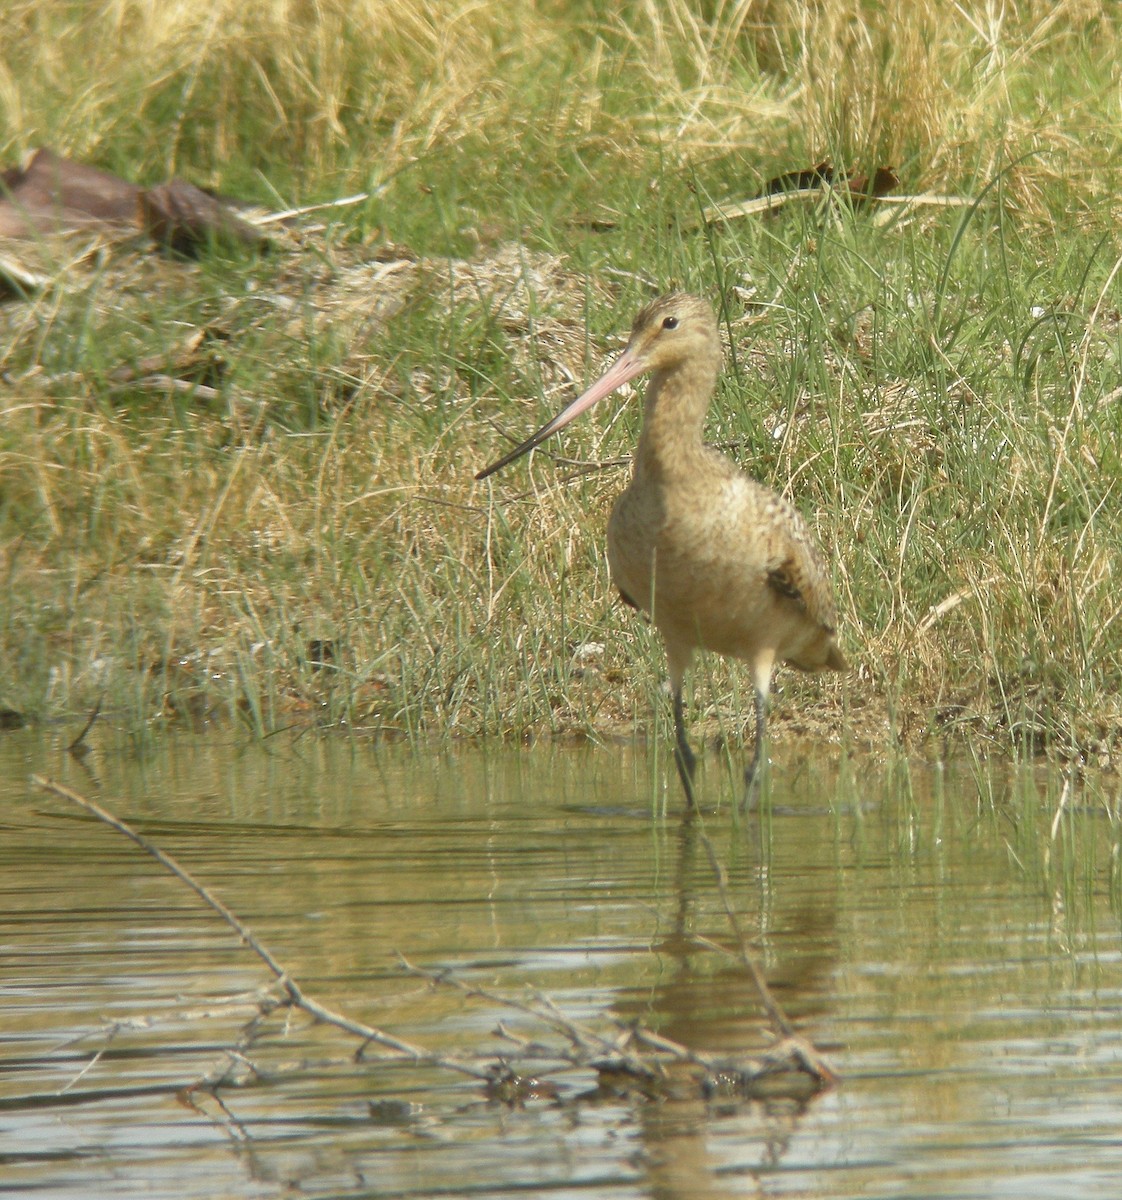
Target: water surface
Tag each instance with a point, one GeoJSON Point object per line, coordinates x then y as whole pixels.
{"type": "Point", "coordinates": [947, 934]}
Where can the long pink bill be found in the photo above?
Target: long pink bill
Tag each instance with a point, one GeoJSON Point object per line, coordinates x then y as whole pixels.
{"type": "Point", "coordinates": [626, 367]}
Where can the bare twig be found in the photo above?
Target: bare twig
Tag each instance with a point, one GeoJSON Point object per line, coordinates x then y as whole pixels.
{"type": "Point", "coordinates": [772, 1007]}
{"type": "Point", "coordinates": [731, 210]}
{"type": "Point", "coordinates": [950, 603]}
{"type": "Point", "coordinates": [88, 1067]}
{"type": "Point", "coordinates": [161, 383]}
{"type": "Point", "coordinates": [790, 1040]}
{"type": "Point", "coordinates": [590, 1048]}
{"type": "Point", "coordinates": [587, 1042]}
{"type": "Point", "coordinates": [168, 863]}
{"type": "Point", "coordinates": [294, 992]}
{"type": "Point", "coordinates": [586, 1046]}
{"type": "Point", "coordinates": [289, 214]}
{"type": "Point", "coordinates": [77, 746]}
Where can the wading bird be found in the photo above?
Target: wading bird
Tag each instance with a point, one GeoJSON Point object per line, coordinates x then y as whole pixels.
{"type": "Point", "coordinates": [717, 560]}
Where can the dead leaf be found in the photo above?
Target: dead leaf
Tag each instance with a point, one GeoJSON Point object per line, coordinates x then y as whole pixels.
{"type": "Point", "coordinates": [51, 194]}
{"type": "Point", "coordinates": [181, 217]}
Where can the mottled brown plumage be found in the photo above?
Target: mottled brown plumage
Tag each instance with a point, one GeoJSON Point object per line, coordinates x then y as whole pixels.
{"type": "Point", "coordinates": [717, 560]}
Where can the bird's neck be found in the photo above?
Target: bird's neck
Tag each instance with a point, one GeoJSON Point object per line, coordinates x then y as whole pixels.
{"type": "Point", "coordinates": [673, 420]}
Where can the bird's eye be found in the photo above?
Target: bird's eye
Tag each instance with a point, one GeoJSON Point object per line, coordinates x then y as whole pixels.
{"type": "Point", "coordinates": [670, 323]}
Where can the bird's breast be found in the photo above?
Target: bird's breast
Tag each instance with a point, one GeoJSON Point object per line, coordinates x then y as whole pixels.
{"type": "Point", "coordinates": [684, 549]}
{"type": "Point", "coordinates": [703, 559]}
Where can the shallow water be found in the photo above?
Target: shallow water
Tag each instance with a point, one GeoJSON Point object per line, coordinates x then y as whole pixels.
{"type": "Point", "coordinates": [947, 934]}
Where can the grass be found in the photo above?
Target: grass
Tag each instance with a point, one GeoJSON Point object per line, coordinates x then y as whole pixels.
{"type": "Point", "coordinates": [936, 388]}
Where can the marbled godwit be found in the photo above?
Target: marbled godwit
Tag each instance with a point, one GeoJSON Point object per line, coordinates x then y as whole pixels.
{"type": "Point", "coordinates": [717, 560]}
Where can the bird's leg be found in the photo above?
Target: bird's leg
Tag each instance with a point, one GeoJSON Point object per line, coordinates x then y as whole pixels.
{"type": "Point", "coordinates": [752, 771]}
{"type": "Point", "coordinates": [683, 755]}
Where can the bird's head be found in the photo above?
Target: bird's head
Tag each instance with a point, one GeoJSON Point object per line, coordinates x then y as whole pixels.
{"type": "Point", "coordinates": [672, 331]}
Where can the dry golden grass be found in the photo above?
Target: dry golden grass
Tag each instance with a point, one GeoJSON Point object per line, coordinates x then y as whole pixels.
{"type": "Point", "coordinates": [360, 90]}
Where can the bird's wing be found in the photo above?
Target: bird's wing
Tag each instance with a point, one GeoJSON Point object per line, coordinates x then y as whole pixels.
{"type": "Point", "coordinates": [795, 569]}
